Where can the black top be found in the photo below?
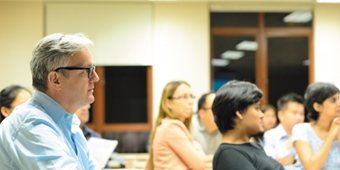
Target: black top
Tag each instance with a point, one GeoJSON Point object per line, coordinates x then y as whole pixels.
{"type": "Point", "coordinates": [247, 156]}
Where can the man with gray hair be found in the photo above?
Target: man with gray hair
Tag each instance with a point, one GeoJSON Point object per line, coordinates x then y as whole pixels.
{"type": "Point", "coordinates": [44, 133]}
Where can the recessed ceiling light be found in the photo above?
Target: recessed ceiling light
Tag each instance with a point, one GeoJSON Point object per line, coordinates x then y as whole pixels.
{"type": "Point", "coordinates": [298, 17]}
{"type": "Point", "coordinates": [232, 55]}
{"type": "Point", "coordinates": [219, 62]}
{"type": "Point", "coordinates": [247, 45]}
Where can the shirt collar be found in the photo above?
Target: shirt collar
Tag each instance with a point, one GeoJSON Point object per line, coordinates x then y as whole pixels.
{"type": "Point", "coordinates": [281, 132]}
{"type": "Point", "coordinates": [53, 109]}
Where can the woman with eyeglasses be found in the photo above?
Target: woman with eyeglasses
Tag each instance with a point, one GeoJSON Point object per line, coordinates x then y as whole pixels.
{"type": "Point", "coordinates": [171, 143]}
{"type": "Point", "coordinates": [10, 97]}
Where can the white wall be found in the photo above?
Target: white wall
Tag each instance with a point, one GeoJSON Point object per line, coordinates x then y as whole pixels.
{"type": "Point", "coordinates": [327, 43]}
{"type": "Point", "coordinates": [21, 28]}
{"type": "Point", "coordinates": [181, 46]}
{"type": "Point", "coordinates": [122, 32]}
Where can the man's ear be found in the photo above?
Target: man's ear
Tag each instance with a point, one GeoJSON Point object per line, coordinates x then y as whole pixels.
{"type": "Point", "coordinates": [4, 111]}
{"type": "Point", "coordinates": [53, 79]}
{"type": "Point", "coordinates": [239, 115]}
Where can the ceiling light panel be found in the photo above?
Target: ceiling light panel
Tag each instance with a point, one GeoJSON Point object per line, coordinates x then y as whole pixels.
{"type": "Point", "coordinates": [247, 46]}
{"type": "Point", "coordinates": [232, 55]}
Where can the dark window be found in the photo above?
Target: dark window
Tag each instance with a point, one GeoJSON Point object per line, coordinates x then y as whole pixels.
{"type": "Point", "coordinates": [125, 94]}
{"type": "Point", "coordinates": [234, 19]}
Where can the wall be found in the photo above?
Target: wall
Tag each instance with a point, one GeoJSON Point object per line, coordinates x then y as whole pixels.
{"type": "Point", "coordinates": [122, 32]}
{"type": "Point", "coordinates": [181, 46]}
{"type": "Point", "coordinates": [21, 28]}
{"type": "Point", "coordinates": [178, 43]}
{"type": "Point", "coordinates": [326, 42]}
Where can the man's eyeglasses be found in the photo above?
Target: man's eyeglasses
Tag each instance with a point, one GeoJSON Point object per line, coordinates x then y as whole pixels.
{"type": "Point", "coordinates": [90, 70]}
{"type": "Point", "coordinates": [186, 97]}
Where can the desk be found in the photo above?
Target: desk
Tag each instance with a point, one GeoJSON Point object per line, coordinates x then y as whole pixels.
{"type": "Point", "coordinates": [135, 161]}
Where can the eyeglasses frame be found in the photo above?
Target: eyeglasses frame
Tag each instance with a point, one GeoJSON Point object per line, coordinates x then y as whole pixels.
{"type": "Point", "coordinates": [90, 70]}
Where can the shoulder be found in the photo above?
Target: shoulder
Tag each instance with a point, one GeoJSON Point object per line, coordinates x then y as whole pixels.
{"type": "Point", "coordinates": [233, 157]}
{"type": "Point", "coordinates": [278, 130]}
{"type": "Point", "coordinates": [302, 131]}
{"type": "Point", "coordinates": [170, 124]}
{"type": "Point", "coordinates": [172, 128]}
{"type": "Point", "coordinates": [302, 128]}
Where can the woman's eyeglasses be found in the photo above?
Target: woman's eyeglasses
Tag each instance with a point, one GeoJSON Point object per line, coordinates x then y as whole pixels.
{"type": "Point", "coordinates": [185, 96]}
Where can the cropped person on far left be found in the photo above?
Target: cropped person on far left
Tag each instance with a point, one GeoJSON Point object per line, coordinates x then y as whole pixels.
{"type": "Point", "coordinates": [10, 97]}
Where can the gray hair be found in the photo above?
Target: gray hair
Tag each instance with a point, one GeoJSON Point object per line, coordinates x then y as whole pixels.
{"type": "Point", "coordinates": [54, 51]}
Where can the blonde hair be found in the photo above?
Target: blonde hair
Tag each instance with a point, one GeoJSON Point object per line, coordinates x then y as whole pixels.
{"type": "Point", "coordinates": [165, 112]}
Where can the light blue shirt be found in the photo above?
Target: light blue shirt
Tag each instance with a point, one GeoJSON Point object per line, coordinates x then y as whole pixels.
{"type": "Point", "coordinates": [40, 134]}
{"type": "Point", "coordinates": [277, 144]}
{"type": "Point", "coordinates": [305, 132]}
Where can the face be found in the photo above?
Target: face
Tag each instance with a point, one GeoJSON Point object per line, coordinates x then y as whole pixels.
{"type": "Point", "coordinates": [269, 119]}
{"type": "Point", "coordinates": [83, 114]}
{"type": "Point", "coordinates": [292, 114]}
{"type": "Point", "coordinates": [181, 103]}
{"type": "Point", "coordinates": [331, 106]}
{"type": "Point", "coordinates": [21, 97]}
{"type": "Point", "coordinates": [76, 87]}
{"type": "Point", "coordinates": [206, 114]}
{"type": "Point", "coordinates": [252, 119]}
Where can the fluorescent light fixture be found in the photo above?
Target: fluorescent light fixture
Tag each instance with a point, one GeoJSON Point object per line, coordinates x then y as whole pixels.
{"type": "Point", "coordinates": [305, 62]}
{"type": "Point", "coordinates": [328, 1]}
{"type": "Point", "coordinates": [247, 46]}
{"type": "Point", "coordinates": [232, 55]}
{"type": "Point", "coordinates": [298, 17]}
{"type": "Point", "coordinates": [219, 62]}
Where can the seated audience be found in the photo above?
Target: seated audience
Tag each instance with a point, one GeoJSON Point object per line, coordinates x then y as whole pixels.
{"type": "Point", "coordinates": [270, 121]}
{"type": "Point", "coordinates": [204, 129]}
{"type": "Point", "coordinates": [318, 142]}
{"type": "Point", "coordinates": [238, 116]}
{"type": "Point", "coordinates": [10, 97]}
{"type": "Point", "coordinates": [84, 115]}
{"type": "Point", "coordinates": [172, 145]}
{"type": "Point", "coordinates": [277, 141]}
{"type": "Point", "coordinates": [44, 132]}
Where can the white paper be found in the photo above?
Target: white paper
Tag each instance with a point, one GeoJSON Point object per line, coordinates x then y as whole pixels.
{"type": "Point", "coordinates": [101, 149]}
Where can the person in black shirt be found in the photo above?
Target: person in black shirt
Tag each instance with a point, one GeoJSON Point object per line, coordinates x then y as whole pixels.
{"type": "Point", "coordinates": [238, 116]}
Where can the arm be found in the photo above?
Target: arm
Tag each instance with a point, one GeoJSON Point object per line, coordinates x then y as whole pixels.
{"type": "Point", "coordinates": [192, 155]}
{"type": "Point", "coordinates": [316, 160]}
{"type": "Point", "coordinates": [42, 147]}
{"type": "Point", "coordinates": [231, 159]}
